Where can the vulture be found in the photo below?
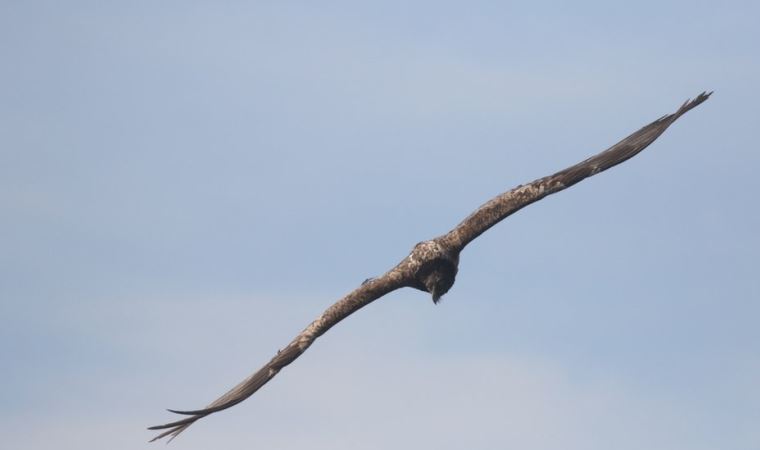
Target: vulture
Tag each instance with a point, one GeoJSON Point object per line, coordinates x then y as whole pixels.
{"type": "Point", "coordinates": [432, 265]}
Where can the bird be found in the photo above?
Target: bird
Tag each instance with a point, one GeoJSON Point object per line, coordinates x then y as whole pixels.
{"type": "Point", "coordinates": [432, 265]}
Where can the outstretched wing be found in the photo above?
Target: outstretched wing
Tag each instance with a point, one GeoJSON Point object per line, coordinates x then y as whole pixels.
{"type": "Point", "coordinates": [503, 205]}
{"type": "Point", "coordinates": [369, 291]}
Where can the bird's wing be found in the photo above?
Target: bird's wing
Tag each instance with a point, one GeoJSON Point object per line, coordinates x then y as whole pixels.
{"type": "Point", "coordinates": [511, 201]}
{"type": "Point", "coordinates": [369, 291]}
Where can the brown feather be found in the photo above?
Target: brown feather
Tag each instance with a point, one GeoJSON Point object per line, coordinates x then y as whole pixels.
{"type": "Point", "coordinates": [370, 290]}
{"type": "Point", "coordinates": [503, 205]}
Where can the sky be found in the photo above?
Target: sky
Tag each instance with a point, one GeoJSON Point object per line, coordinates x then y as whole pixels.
{"type": "Point", "coordinates": [185, 185]}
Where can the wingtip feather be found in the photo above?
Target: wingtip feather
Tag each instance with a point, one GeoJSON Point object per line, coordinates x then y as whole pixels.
{"type": "Point", "coordinates": [186, 413]}
{"type": "Point", "coordinates": [691, 103]}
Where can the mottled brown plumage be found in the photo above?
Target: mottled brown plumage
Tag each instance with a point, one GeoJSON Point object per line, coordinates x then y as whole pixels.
{"type": "Point", "coordinates": [432, 265]}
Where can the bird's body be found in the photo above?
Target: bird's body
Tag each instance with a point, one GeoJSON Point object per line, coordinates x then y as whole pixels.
{"type": "Point", "coordinates": [432, 265]}
{"type": "Point", "coordinates": [438, 266]}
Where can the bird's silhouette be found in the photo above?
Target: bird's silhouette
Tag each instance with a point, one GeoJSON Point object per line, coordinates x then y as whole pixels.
{"type": "Point", "coordinates": [432, 265]}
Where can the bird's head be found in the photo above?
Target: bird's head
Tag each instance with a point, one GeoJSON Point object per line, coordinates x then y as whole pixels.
{"type": "Point", "coordinates": [436, 268]}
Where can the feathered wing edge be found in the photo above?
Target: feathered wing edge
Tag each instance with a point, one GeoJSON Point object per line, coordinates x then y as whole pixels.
{"type": "Point", "coordinates": [363, 295]}
{"type": "Point", "coordinates": [505, 204]}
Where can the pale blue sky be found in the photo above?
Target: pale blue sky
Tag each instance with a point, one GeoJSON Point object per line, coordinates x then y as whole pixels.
{"type": "Point", "coordinates": [185, 185]}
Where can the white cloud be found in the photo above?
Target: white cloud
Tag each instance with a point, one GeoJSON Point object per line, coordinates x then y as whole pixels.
{"type": "Point", "coordinates": [359, 386]}
{"type": "Point", "coordinates": [353, 399]}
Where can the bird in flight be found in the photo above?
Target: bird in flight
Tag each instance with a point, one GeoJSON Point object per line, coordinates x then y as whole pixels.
{"type": "Point", "coordinates": [432, 265]}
